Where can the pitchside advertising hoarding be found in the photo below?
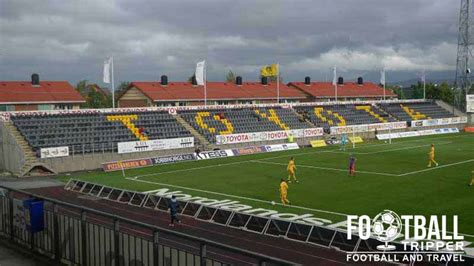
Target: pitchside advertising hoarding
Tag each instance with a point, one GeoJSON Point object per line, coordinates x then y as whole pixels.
{"type": "Point", "coordinates": [155, 145]}
{"type": "Point", "coordinates": [368, 127]}
{"type": "Point", "coordinates": [470, 103]}
{"type": "Point", "coordinates": [408, 134]}
{"type": "Point", "coordinates": [204, 155]}
{"type": "Point", "coordinates": [439, 121]}
{"type": "Point", "coordinates": [268, 135]}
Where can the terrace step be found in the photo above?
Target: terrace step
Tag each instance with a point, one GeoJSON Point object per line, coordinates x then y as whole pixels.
{"type": "Point", "coordinates": [193, 131]}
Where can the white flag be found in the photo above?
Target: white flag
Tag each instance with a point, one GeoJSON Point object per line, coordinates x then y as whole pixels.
{"type": "Point", "coordinates": [382, 77]}
{"type": "Point", "coordinates": [423, 76]}
{"type": "Point", "coordinates": [334, 78]}
{"type": "Point", "coordinates": [199, 74]}
{"type": "Point", "coordinates": [107, 67]}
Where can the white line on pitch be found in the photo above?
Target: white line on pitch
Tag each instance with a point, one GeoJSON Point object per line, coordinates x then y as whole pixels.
{"type": "Point", "coordinates": [191, 169]}
{"type": "Point", "coordinates": [404, 148]}
{"type": "Point", "coordinates": [326, 168]}
{"type": "Point", "coordinates": [235, 196]}
{"type": "Point", "coordinates": [436, 167]}
{"type": "Point", "coordinates": [249, 199]}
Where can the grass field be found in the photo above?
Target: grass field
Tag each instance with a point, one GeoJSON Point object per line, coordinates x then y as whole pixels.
{"type": "Point", "coordinates": [390, 176]}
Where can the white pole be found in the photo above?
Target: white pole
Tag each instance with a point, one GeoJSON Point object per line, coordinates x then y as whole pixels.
{"type": "Point", "coordinates": [335, 85]}
{"type": "Point", "coordinates": [278, 82]}
{"type": "Point", "coordinates": [353, 137]}
{"type": "Point", "coordinates": [390, 134]}
{"type": "Point", "coordinates": [384, 81]}
{"type": "Point", "coordinates": [424, 85]}
{"type": "Point", "coordinates": [113, 87]}
{"type": "Point", "coordinates": [205, 84]}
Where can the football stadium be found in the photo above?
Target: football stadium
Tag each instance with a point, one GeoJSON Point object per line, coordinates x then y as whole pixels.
{"type": "Point", "coordinates": [169, 171]}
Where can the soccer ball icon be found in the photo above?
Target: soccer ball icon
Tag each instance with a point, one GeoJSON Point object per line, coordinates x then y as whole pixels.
{"type": "Point", "coordinates": [386, 226]}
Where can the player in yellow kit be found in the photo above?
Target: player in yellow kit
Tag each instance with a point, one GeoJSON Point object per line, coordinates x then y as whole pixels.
{"type": "Point", "coordinates": [431, 156]}
{"type": "Point", "coordinates": [472, 178]}
{"type": "Point", "coordinates": [284, 192]}
{"type": "Point", "coordinates": [291, 168]}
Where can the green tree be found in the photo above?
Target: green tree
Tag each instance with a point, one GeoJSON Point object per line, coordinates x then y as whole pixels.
{"type": "Point", "coordinates": [230, 77]}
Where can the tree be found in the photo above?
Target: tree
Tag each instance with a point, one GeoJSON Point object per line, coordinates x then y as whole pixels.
{"type": "Point", "coordinates": [230, 77]}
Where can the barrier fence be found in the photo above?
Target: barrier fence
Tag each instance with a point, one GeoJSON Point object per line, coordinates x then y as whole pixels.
{"type": "Point", "coordinates": [82, 236]}
{"type": "Point", "coordinates": [294, 230]}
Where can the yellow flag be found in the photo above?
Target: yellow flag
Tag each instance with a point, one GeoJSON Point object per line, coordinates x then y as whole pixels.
{"type": "Point", "coordinates": [269, 71]}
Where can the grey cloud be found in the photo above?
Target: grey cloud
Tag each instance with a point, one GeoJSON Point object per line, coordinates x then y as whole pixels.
{"type": "Point", "coordinates": [63, 39]}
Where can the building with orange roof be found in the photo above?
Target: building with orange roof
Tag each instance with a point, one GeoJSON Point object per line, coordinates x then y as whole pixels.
{"type": "Point", "coordinates": [38, 95]}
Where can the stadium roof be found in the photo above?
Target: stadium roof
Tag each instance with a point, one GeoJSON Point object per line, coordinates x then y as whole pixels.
{"type": "Point", "coordinates": [24, 92]}
{"type": "Point", "coordinates": [176, 91]}
{"type": "Point", "coordinates": [346, 90]}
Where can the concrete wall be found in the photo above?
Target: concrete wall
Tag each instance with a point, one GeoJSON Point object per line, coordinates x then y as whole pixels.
{"type": "Point", "coordinates": [11, 154]}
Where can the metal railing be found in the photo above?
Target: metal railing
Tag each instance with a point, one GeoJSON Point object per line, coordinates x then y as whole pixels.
{"type": "Point", "coordinates": [82, 236]}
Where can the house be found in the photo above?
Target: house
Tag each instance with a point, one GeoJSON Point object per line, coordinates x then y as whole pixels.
{"type": "Point", "coordinates": [38, 95]}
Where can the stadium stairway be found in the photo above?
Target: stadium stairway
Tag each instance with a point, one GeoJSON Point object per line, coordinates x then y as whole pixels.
{"type": "Point", "coordinates": [307, 121]}
{"type": "Point", "coordinates": [30, 161]}
{"type": "Point", "coordinates": [202, 140]}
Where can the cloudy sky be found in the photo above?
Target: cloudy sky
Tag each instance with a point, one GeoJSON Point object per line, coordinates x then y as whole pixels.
{"type": "Point", "coordinates": [69, 39]}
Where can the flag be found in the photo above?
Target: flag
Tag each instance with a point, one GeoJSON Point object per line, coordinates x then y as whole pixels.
{"type": "Point", "coordinates": [269, 71]}
{"type": "Point", "coordinates": [382, 76]}
{"type": "Point", "coordinates": [334, 78]}
{"type": "Point", "coordinates": [199, 74]}
{"type": "Point", "coordinates": [107, 67]}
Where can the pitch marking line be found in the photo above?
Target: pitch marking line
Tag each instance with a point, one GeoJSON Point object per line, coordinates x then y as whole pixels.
{"type": "Point", "coordinates": [235, 196]}
{"type": "Point", "coordinates": [249, 199]}
{"type": "Point", "coordinates": [404, 148]}
{"type": "Point", "coordinates": [326, 168]}
{"type": "Point", "coordinates": [436, 167]}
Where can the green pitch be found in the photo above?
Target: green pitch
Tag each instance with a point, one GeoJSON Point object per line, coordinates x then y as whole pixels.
{"type": "Point", "coordinates": [389, 176]}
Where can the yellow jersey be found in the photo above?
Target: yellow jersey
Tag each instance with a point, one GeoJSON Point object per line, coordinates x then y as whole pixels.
{"type": "Point", "coordinates": [432, 152]}
{"type": "Point", "coordinates": [291, 166]}
{"type": "Point", "coordinates": [283, 187]}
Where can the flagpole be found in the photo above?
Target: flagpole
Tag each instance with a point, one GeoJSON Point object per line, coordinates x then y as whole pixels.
{"type": "Point", "coordinates": [205, 84]}
{"type": "Point", "coordinates": [334, 79]}
{"type": "Point", "coordinates": [384, 81]}
{"type": "Point", "coordinates": [278, 82]}
{"type": "Point", "coordinates": [424, 85]}
{"type": "Point", "coordinates": [113, 87]}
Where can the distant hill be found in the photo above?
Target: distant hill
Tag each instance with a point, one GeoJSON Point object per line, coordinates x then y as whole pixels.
{"type": "Point", "coordinates": [409, 82]}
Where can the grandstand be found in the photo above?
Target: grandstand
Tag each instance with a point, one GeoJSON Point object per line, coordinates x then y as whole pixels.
{"type": "Point", "coordinates": [242, 120]}
{"type": "Point", "coordinates": [86, 132]}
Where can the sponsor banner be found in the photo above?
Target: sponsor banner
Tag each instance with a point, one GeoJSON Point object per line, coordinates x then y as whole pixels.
{"type": "Point", "coordinates": [417, 133]}
{"type": "Point", "coordinates": [268, 135]}
{"type": "Point", "coordinates": [248, 150]}
{"type": "Point", "coordinates": [281, 147]}
{"type": "Point", "coordinates": [470, 103]}
{"type": "Point", "coordinates": [439, 121]}
{"type": "Point", "coordinates": [155, 145]}
{"type": "Point", "coordinates": [173, 158]}
{"type": "Point", "coordinates": [54, 152]}
{"type": "Point", "coordinates": [318, 143]}
{"type": "Point", "coordinates": [469, 129]}
{"type": "Point", "coordinates": [368, 127]}
{"type": "Point", "coordinates": [205, 155]}
{"type": "Point", "coordinates": [356, 139]}
{"type": "Point", "coordinates": [128, 164]}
